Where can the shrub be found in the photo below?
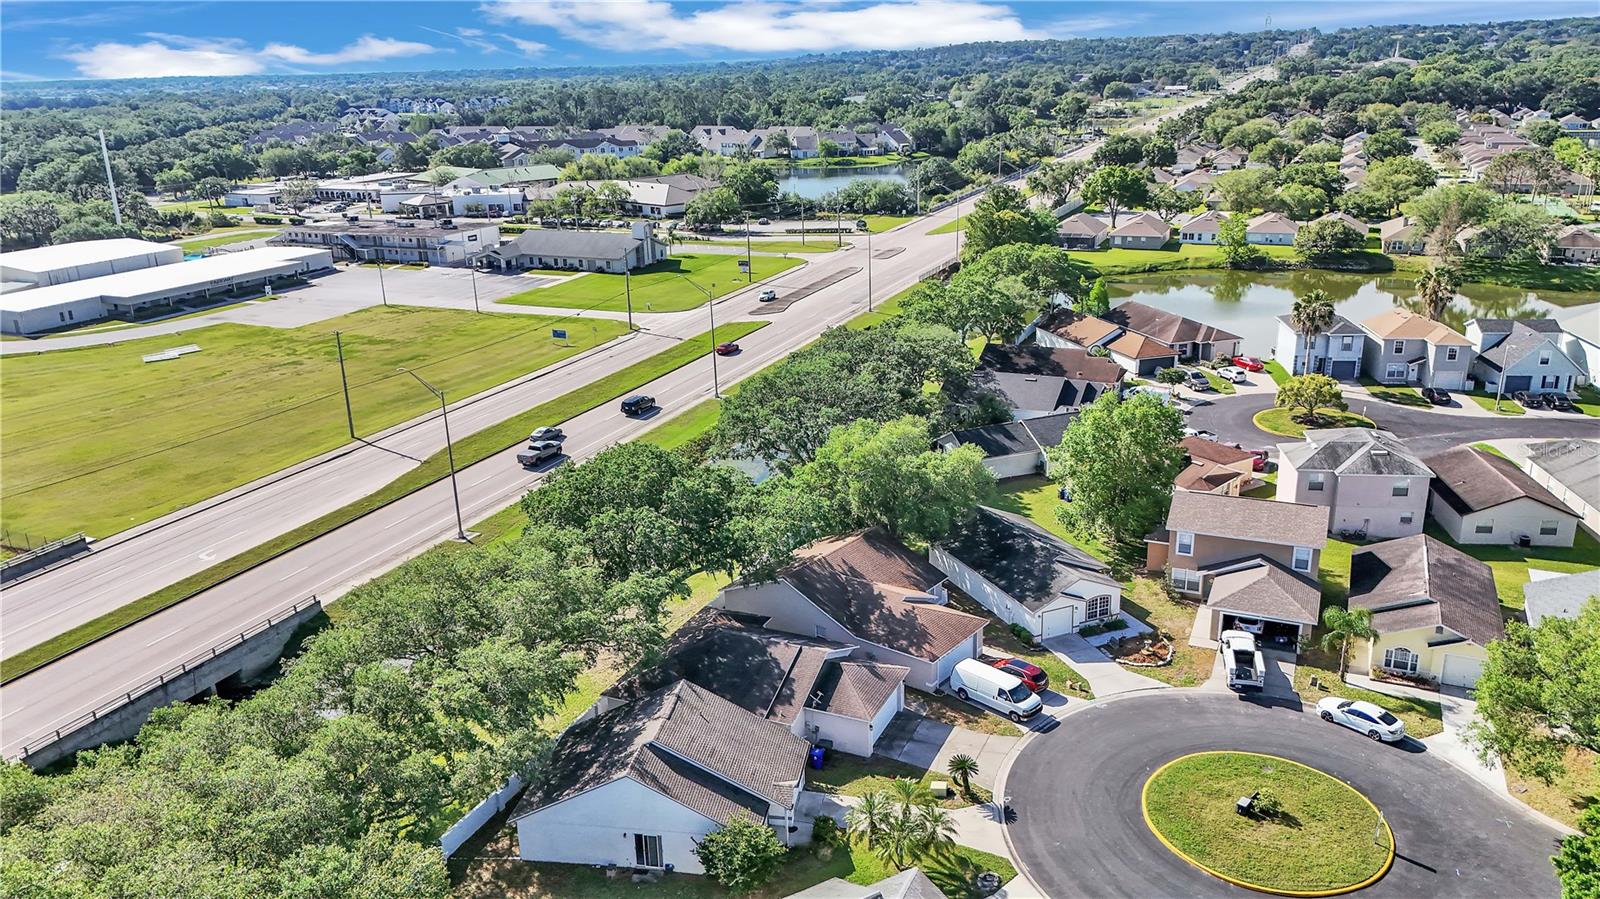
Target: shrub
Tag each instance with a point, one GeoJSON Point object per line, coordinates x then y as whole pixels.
{"type": "Point", "coordinates": [1267, 805]}
{"type": "Point", "coordinates": [296, 220]}
{"type": "Point", "coordinates": [741, 856]}
{"type": "Point", "coordinates": [220, 220]}
{"type": "Point", "coordinates": [267, 219]}
{"type": "Point", "coordinates": [826, 832]}
{"type": "Point", "coordinates": [1022, 634]}
{"type": "Point", "coordinates": [1171, 376]}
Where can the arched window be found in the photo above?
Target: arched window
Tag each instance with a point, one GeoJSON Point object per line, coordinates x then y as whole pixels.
{"type": "Point", "coordinates": [1400, 659]}
{"type": "Point", "coordinates": [1098, 607]}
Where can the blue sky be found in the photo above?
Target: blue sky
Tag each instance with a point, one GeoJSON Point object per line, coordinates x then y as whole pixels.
{"type": "Point", "coordinates": [151, 38]}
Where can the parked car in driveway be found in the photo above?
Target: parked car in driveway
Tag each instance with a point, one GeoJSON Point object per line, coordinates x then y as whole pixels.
{"type": "Point", "coordinates": [1241, 660]}
{"type": "Point", "coordinates": [1249, 363]}
{"type": "Point", "coordinates": [1559, 402]}
{"type": "Point", "coordinates": [1197, 380]}
{"type": "Point", "coordinates": [1436, 396]}
{"type": "Point", "coordinates": [1233, 373]}
{"type": "Point", "coordinates": [727, 349]}
{"type": "Point", "coordinates": [538, 452]}
{"type": "Point", "coordinates": [547, 433]}
{"type": "Point", "coordinates": [1005, 693]}
{"type": "Point", "coordinates": [1199, 432]}
{"type": "Point", "coordinates": [1363, 717]}
{"type": "Point", "coordinates": [1529, 400]}
{"type": "Point", "coordinates": [1031, 675]}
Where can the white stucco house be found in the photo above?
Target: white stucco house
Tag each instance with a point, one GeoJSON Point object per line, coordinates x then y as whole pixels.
{"type": "Point", "coordinates": [1570, 470]}
{"type": "Point", "coordinates": [1026, 575]}
{"type": "Point", "coordinates": [1272, 229]}
{"type": "Point", "coordinates": [1369, 479]}
{"type": "Point", "coordinates": [1479, 497]}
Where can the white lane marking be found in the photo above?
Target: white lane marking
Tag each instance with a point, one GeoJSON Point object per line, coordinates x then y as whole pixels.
{"type": "Point", "coordinates": [293, 573]}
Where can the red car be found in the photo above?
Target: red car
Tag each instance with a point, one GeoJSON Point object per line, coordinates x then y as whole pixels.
{"type": "Point", "coordinates": [1031, 675]}
{"type": "Point", "coordinates": [1260, 460]}
{"type": "Point", "coordinates": [727, 349]}
{"type": "Point", "coordinates": [1249, 363]}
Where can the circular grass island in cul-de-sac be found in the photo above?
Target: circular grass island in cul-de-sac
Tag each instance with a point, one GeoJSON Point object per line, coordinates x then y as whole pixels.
{"type": "Point", "coordinates": [1325, 839]}
{"type": "Point", "coordinates": [1279, 420]}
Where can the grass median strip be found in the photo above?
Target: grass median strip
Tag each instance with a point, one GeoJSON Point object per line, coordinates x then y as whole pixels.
{"type": "Point", "coordinates": [468, 450]}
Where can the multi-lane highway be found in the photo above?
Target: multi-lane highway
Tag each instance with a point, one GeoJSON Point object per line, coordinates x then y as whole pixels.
{"type": "Point", "coordinates": [139, 564]}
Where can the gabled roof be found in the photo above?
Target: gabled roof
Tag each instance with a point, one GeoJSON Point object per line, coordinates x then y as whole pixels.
{"type": "Point", "coordinates": [1404, 324]}
{"type": "Point", "coordinates": [1418, 581]}
{"type": "Point", "coordinates": [1398, 228]}
{"type": "Point", "coordinates": [1204, 476]}
{"type": "Point", "coordinates": [856, 690]}
{"type": "Point", "coordinates": [1575, 236]}
{"type": "Point", "coordinates": [1212, 451]}
{"type": "Point", "coordinates": [687, 744]}
{"type": "Point", "coordinates": [1144, 224]}
{"type": "Point", "coordinates": [1355, 451]}
{"type": "Point", "coordinates": [1247, 518]}
{"type": "Point", "coordinates": [1204, 223]}
{"type": "Point", "coordinates": [1522, 341]}
{"type": "Point", "coordinates": [1574, 464]}
{"type": "Point", "coordinates": [1344, 218]}
{"type": "Point", "coordinates": [1138, 346]}
{"type": "Point", "coordinates": [1505, 325]}
{"type": "Point", "coordinates": [1167, 327]}
{"type": "Point", "coordinates": [1082, 225]}
{"type": "Point", "coordinates": [1260, 587]}
{"type": "Point", "coordinates": [1341, 325]}
{"type": "Point", "coordinates": [1273, 223]}
{"type": "Point", "coordinates": [1559, 597]}
{"type": "Point", "coordinates": [1010, 438]}
{"type": "Point", "coordinates": [1087, 330]}
{"type": "Point", "coordinates": [878, 590]}
{"type": "Point", "coordinates": [1471, 480]}
{"type": "Point", "coordinates": [1061, 362]}
{"type": "Point", "coordinates": [574, 244]}
{"type": "Point", "coordinates": [1032, 565]}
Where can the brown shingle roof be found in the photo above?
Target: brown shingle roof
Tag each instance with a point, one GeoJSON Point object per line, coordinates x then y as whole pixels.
{"type": "Point", "coordinates": [1205, 476]}
{"type": "Point", "coordinates": [1212, 451]}
{"type": "Point", "coordinates": [1418, 581]}
{"type": "Point", "coordinates": [1470, 480]}
{"type": "Point", "coordinates": [1138, 346]}
{"type": "Point", "coordinates": [1247, 518]}
{"type": "Point", "coordinates": [1167, 327]}
{"type": "Point", "coordinates": [877, 589]}
{"type": "Point", "coordinates": [1262, 588]}
{"type": "Point", "coordinates": [1083, 329]}
{"type": "Point", "coordinates": [856, 689]}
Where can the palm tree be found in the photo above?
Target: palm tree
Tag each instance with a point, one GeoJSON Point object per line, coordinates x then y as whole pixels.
{"type": "Point", "coordinates": [963, 767]}
{"type": "Point", "coordinates": [870, 818]}
{"type": "Point", "coordinates": [1436, 290]}
{"type": "Point", "coordinates": [934, 828]}
{"type": "Point", "coordinates": [1312, 315]}
{"type": "Point", "coordinates": [1340, 626]}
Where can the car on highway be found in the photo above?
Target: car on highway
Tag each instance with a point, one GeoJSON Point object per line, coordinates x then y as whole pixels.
{"type": "Point", "coordinates": [547, 433]}
{"type": "Point", "coordinates": [768, 295]}
{"type": "Point", "coordinates": [1233, 374]}
{"type": "Point", "coordinates": [1031, 675]}
{"type": "Point", "coordinates": [638, 404]}
{"type": "Point", "coordinates": [1249, 363]}
{"type": "Point", "coordinates": [538, 452]}
{"type": "Point", "coordinates": [1196, 380]}
{"type": "Point", "coordinates": [727, 349]}
{"type": "Point", "coordinates": [1363, 717]}
{"type": "Point", "coordinates": [1436, 396]}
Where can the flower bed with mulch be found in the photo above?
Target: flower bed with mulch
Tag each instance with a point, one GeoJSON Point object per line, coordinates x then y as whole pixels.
{"type": "Point", "coordinates": [1146, 650]}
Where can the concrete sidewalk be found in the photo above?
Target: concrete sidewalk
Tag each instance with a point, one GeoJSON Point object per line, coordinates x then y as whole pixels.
{"type": "Point", "coordinates": [1457, 711]}
{"type": "Point", "coordinates": [1105, 677]}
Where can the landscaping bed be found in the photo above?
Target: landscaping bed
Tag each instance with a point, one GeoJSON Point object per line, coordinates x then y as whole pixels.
{"type": "Point", "coordinates": [1151, 649]}
{"type": "Point", "coordinates": [1320, 837]}
{"type": "Point", "coordinates": [1147, 599]}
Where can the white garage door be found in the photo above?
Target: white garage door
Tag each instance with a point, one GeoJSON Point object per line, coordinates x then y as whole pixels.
{"type": "Point", "coordinates": [1058, 622]}
{"type": "Point", "coordinates": [1460, 671]}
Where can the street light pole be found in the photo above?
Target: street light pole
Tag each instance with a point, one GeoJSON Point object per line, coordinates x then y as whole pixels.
{"type": "Point", "coordinates": [802, 223]}
{"type": "Point", "coordinates": [958, 226]}
{"type": "Point", "coordinates": [381, 289]}
{"type": "Point", "coordinates": [749, 264]}
{"type": "Point", "coordinates": [869, 269]}
{"type": "Point", "coordinates": [349, 417]}
{"type": "Point", "coordinates": [472, 265]}
{"type": "Point", "coordinates": [449, 449]}
{"type": "Point", "coordinates": [627, 290]}
{"type": "Point", "coordinates": [711, 309]}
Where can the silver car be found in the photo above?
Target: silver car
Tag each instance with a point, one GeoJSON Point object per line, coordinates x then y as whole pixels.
{"type": "Point", "coordinates": [1363, 717]}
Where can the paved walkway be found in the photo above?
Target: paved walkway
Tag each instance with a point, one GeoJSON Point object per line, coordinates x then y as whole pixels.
{"type": "Point", "coordinates": [1105, 677]}
{"type": "Point", "coordinates": [1458, 711]}
{"type": "Point", "coordinates": [928, 744]}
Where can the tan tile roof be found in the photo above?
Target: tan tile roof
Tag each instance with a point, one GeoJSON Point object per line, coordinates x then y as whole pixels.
{"type": "Point", "coordinates": [1144, 225]}
{"type": "Point", "coordinates": [1205, 476]}
{"type": "Point", "coordinates": [1407, 325]}
{"type": "Point", "coordinates": [1082, 329]}
{"type": "Point", "coordinates": [1138, 346]}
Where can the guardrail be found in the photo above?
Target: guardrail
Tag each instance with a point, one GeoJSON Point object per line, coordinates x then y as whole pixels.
{"type": "Point", "coordinates": [42, 549]}
{"type": "Point", "coordinates": [155, 683]}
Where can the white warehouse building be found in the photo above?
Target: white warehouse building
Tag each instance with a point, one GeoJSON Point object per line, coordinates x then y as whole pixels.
{"type": "Point", "coordinates": [37, 309]}
{"type": "Point", "coordinates": [63, 263]}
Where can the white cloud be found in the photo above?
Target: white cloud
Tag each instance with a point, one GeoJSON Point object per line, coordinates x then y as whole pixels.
{"type": "Point", "coordinates": [164, 55]}
{"type": "Point", "coordinates": [528, 48]}
{"type": "Point", "coordinates": [760, 26]}
{"type": "Point", "coordinates": [471, 37]}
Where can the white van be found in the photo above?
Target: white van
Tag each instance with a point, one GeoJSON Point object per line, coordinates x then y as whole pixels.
{"type": "Point", "coordinates": [1007, 694]}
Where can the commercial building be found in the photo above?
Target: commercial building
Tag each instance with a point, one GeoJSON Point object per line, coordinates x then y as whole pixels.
{"type": "Point", "coordinates": [465, 202]}
{"type": "Point", "coordinates": [62, 263]}
{"type": "Point", "coordinates": [134, 292]}
{"type": "Point", "coordinates": [367, 241]}
{"type": "Point", "coordinates": [586, 251]}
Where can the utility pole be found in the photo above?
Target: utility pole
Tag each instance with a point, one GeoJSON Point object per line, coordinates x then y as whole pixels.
{"type": "Point", "coordinates": [869, 269]}
{"type": "Point", "coordinates": [838, 225]}
{"type": "Point", "coordinates": [449, 449]}
{"type": "Point", "coordinates": [344, 380]}
{"type": "Point", "coordinates": [111, 183]}
{"type": "Point", "coordinates": [749, 263]}
{"type": "Point", "coordinates": [472, 265]}
{"type": "Point", "coordinates": [711, 303]}
{"type": "Point", "coordinates": [803, 222]}
{"type": "Point", "coordinates": [627, 289]}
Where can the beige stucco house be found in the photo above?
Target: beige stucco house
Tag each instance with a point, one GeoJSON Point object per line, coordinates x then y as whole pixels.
{"type": "Point", "coordinates": [1369, 479]}
{"type": "Point", "coordinates": [1479, 497]}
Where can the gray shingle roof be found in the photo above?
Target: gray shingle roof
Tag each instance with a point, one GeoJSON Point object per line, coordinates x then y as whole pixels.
{"type": "Point", "coordinates": [1559, 597]}
{"type": "Point", "coordinates": [908, 884]}
{"type": "Point", "coordinates": [1262, 588]}
{"type": "Point", "coordinates": [1028, 562]}
{"type": "Point", "coordinates": [1519, 343]}
{"type": "Point", "coordinates": [1418, 581]}
{"type": "Point", "coordinates": [573, 244]}
{"type": "Point", "coordinates": [1248, 518]}
{"type": "Point", "coordinates": [1575, 464]}
{"type": "Point", "coordinates": [1341, 325]}
{"type": "Point", "coordinates": [856, 689]}
{"type": "Point", "coordinates": [1355, 451]}
{"type": "Point", "coordinates": [1012, 437]}
{"type": "Point", "coordinates": [1471, 480]}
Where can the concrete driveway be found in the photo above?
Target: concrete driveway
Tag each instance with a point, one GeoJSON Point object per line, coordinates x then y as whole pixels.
{"type": "Point", "coordinates": [928, 744]}
{"type": "Point", "coordinates": [1079, 830]}
{"type": "Point", "coordinates": [1105, 677]}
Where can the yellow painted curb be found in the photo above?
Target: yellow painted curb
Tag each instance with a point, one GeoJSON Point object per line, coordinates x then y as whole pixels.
{"type": "Point", "coordinates": [1144, 809]}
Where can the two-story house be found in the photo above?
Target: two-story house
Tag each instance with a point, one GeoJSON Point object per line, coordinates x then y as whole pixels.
{"type": "Point", "coordinates": [1406, 348]}
{"type": "Point", "coordinates": [1371, 482]}
{"type": "Point", "coordinates": [1336, 352]}
{"type": "Point", "coordinates": [1252, 563]}
{"type": "Point", "coordinates": [1523, 354]}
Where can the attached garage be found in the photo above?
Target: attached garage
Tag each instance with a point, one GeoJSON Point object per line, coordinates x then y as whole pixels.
{"type": "Point", "coordinates": [1433, 606]}
{"type": "Point", "coordinates": [1460, 670]}
{"type": "Point", "coordinates": [1262, 597]}
{"type": "Point", "coordinates": [1344, 370]}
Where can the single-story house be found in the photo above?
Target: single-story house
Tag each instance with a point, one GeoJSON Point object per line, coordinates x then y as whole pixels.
{"type": "Point", "coordinates": [1202, 228]}
{"type": "Point", "coordinates": [809, 685]}
{"type": "Point", "coordinates": [589, 251]}
{"type": "Point", "coordinates": [1141, 355]}
{"type": "Point", "coordinates": [1229, 158]}
{"type": "Point", "coordinates": [1570, 470]}
{"type": "Point", "coordinates": [640, 786]}
{"type": "Point", "coordinates": [1336, 352]}
{"type": "Point", "coordinates": [1013, 449]}
{"type": "Point", "coordinates": [1369, 479]}
{"type": "Point", "coordinates": [1214, 467]}
{"type": "Point", "coordinates": [1434, 608]}
{"type": "Point", "coordinates": [1402, 236]}
{"type": "Point", "coordinates": [1576, 243]}
{"type": "Point", "coordinates": [1559, 597]}
{"type": "Point", "coordinates": [1082, 232]}
{"type": "Point", "coordinates": [1271, 228]}
{"type": "Point", "coordinates": [1479, 497]}
{"type": "Point", "coordinates": [1026, 575]}
{"type": "Point", "coordinates": [1194, 182]}
{"type": "Point", "coordinates": [1039, 380]}
{"type": "Point", "coordinates": [1191, 339]}
{"type": "Point", "coordinates": [868, 590]}
{"type": "Point", "coordinates": [1136, 353]}
{"type": "Point", "coordinates": [1141, 231]}
{"type": "Point", "coordinates": [1345, 219]}
{"type": "Point", "coordinates": [1523, 354]}
{"type": "Point", "coordinates": [1582, 341]}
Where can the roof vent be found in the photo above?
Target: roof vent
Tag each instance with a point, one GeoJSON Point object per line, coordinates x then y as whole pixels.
{"type": "Point", "coordinates": [928, 598]}
{"type": "Point", "coordinates": [1380, 452]}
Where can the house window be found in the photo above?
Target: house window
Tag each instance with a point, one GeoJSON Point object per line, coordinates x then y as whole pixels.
{"type": "Point", "coordinates": [1347, 343]}
{"type": "Point", "coordinates": [1452, 353]}
{"type": "Point", "coordinates": [647, 850]}
{"type": "Point", "coordinates": [1400, 659]}
{"type": "Point", "coordinates": [1098, 607]}
{"type": "Point", "coordinates": [1548, 528]}
{"type": "Point", "coordinates": [1400, 488]}
{"type": "Point", "coordinates": [1302, 558]}
{"type": "Point", "coordinates": [1185, 580]}
{"type": "Point", "coordinates": [1397, 347]}
{"type": "Point", "coordinates": [1316, 481]}
{"type": "Point", "coordinates": [1395, 371]}
{"type": "Point", "coordinates": [1407, 518]}
{"type": "Point", "coordinates": [1544, 357]}
{"type": "Point", "coordinates": [1184, 543]}
{"type": "Point", "coordinates": [1486, 527]}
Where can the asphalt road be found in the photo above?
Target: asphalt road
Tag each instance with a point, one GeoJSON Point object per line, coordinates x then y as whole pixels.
{"type": "Point", "coordinates": [1426, 431]}
{"type": "Point", "coordinates": [1079, 830]}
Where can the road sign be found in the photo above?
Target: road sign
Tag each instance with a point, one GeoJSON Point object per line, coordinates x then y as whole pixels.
{"type": "Point", "coordinates": [744, 266]}
{"type": "Point", "coordinates": [558, 333]}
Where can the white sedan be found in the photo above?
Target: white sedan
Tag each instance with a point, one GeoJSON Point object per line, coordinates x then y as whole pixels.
{"type": "Point", "coordinates": [1233, 373]}
{"type": "Point", "coordinates": [1363, 717]}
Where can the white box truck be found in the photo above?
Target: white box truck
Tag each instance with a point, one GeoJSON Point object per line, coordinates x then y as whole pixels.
{"type": "Point", "coordinates": [1242, 661]}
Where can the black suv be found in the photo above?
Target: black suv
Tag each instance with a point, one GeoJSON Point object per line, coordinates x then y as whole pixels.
{"type": "Point", "coordinates": [638, 404]}
{"type": "Point", "coordinates": [1436, 396]}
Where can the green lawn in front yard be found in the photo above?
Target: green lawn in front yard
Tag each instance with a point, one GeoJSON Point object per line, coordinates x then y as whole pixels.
{"type": "Point", "coordinates": [1565, 799]}
{"type": "Point", "coordinates": [852, 775]}
{"type": "Point", "coordinates": [1421, 716]}
{"type": "Point", "coordinates": [219, 240]}
{"type": "Point", "coordinates": [656, 288]}
{"type": "Point", "coordinates": [1399, 394]}
{"type": "Point", "coordinates": [1506, 406]}
{"type": "Point", "coordinates": [1218, 383]}
{"type": "Point", "coordinates": [1510, 563]}
{"type": "Point", "coordinates": [1280, 420]}
{"type": "Point", "coordinates": [1276, 371]}
{"type": "Point", "coordinates": [253, 401]}
{"type": "Point", "coordinates": [1588, 401]}
{"type": "Point", "coordinates": [1147, 599]}
{"type": "Point", "coordinates": [1324, 840]}
{"type": "Point", "coordinates": [998, 638]}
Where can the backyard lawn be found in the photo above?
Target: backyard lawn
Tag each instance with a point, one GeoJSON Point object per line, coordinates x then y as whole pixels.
{"type": "Point", "coordinates": [1175, 256]}
{"type": "Point", "coordinates": [253, 401]}
{"type": "Point", "coordinates": [661, 287]}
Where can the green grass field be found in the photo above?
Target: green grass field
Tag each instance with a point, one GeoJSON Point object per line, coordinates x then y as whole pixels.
{"type": "Point", "coordinates": [877, 224]}
{"type": "Point", "coordinates": [1175, 256]}
{"type": "Point", "coordinates": [219, 240]}
{"type": "Point", "coordinates": [658, 288]}
{"type": "Point", "coordinates": [98, 440]}
{"type": "Point", "coordinates": [814, 243]}
{"type": "Point", "coordinates": [950, 227]}
{"type": "Point", "coordinates": [1278, 420]}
